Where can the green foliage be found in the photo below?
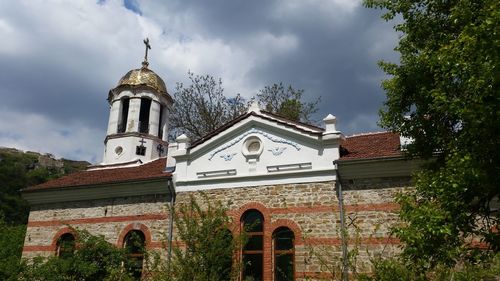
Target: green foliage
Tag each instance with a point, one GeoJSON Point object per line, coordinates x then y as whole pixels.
{"type": "Point", "coordinates": [94, 259]}
{"type": "Point", "coordinates": [287, 102]}
{"type": "Point", "coordinates": [209, 244]}
{"type": "Point", "coordinates": [11, 246]}
{"type": "Point", "coordinates": [444, 95]}
{"type": "Point", "coordinates": [396, 269]}
{"type": "Point", "coordinates": [201, 107]}
{"type": "Point", "coordinates": [19, 170]}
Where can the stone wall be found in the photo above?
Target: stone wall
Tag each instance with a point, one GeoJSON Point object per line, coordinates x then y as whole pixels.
{"type": "Point", "coordinates": [112, 218]}
{"type": "Point", "coordinates": [311, 211]}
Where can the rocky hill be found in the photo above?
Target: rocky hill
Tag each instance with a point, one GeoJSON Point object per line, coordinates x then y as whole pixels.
{"type": "Point", "coordinates": [19, 169]}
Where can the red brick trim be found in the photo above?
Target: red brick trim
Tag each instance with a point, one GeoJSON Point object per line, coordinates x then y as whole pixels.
{"type": "Point", "coordinates": [252, 206]}
{"type": "Point", "coordinates": [361, 241]}
{"type": "Point", "coordinates": [144, 217]}
{"type": "Point", "coordinates": [135, 226]}
{"type": "Point", "coordinates": [53, 245]}
{"type": "Point", "coordinates": [315, 275]}
{"type": "Point", "coordinates": [60, 233]}
{"type": "Point", "coordinates": [287, 223]}
{"type": "Point", "coordinates": [236, 214]}
{"type": "Point", "coordinates": [267, 255]}
{"type": "Point", "coordinates": [39, 248]}
{"type": "Point", "coordinates": [385, 207]}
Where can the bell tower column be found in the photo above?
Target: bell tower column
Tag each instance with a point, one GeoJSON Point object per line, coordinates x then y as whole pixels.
{"type": "Point", "coordinates": [164, 123]}
{"type": "Point", "coordinates": [133, 113]}
{"type": "Point", "coordinates": [114, 113]}
{"type": "Point", "coordinates": [154, 118]}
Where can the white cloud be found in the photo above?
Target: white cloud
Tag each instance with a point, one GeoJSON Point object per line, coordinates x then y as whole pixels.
{"type": "Point", "coordinates": [84, 47]}
{"type": "Point", "coordinates": [35, 132]}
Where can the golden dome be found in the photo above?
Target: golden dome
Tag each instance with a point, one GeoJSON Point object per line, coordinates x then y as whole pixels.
{"type": "Point", "coordinates": [143, 76]}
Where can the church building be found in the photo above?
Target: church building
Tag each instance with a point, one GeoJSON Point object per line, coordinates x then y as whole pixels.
{"type": "Point", "coordinates": [287, 179]}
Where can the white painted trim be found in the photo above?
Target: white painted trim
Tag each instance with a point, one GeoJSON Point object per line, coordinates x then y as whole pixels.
{"type": "Point", "coordinates": [256, 180]}
{"type": "Point", "coordinates": [257, 122]}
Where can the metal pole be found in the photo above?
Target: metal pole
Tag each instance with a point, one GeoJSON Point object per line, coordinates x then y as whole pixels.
{"type": "Point", "coordinates": [345, 263]}
{"type": "Point", "coordinates": [171, 221]}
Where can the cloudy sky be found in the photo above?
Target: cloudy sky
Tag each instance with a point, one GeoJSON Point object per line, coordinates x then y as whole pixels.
{"type": "Point", "coordinates": [58, 59]}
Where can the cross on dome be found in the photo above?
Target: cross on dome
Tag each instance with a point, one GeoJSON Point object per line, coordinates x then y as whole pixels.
{"type": "Point", "coordinates": [145, 63]}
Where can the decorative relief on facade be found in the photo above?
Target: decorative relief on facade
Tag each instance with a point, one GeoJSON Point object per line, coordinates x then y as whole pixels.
{"type": "Point", "coordinates": [228, 157]}
{"type": "Point", "coordinates": [277, 151]}
{"type": "Point", "coordinates": [254, 131]}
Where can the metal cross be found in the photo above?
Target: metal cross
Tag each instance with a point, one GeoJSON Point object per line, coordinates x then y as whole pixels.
{"type": "Point", "coordinates": [148, 47]}
{"type": "Point", "coordinates": [142, 141]}
{"type": "Point", "coordinates": [160, 149]}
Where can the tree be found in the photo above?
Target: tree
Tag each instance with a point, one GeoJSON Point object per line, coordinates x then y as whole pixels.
{"type": "Point", "coordinates": [94, 259]}
{"type": "Point", "coordinates": [287, 102]}
{"type": "Point", "coordinates": [11, 248]}
{"type": "Point", "coordinates": [210, 245]}
{"type": "Point", "coordinates": [201, 107]}
{"type": "Point", "coordinates": [444, 94]}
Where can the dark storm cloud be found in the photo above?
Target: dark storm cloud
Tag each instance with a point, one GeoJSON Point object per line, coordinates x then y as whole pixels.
{"type": "Point", "coordinates": [60, 59]}
{"type": "Point", "coordinates": [336, 56]}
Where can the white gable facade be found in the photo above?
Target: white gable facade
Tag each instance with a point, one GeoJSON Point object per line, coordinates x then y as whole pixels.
{"type": "Point", "coordinates": [258, 150]}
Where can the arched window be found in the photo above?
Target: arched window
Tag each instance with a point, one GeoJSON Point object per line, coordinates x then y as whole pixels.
{"type": "Point", "coordinates": [134, 245]}
{"type": "Point", "coordinates": [283, 245]}
{"type": "Point", "coordinates": [65, 245]}
{"type": "Point", "coordinates": [252, 255]}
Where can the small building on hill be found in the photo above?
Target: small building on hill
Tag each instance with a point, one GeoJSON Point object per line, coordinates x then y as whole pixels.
{"type": "Point", "coordinates": [289, 177]}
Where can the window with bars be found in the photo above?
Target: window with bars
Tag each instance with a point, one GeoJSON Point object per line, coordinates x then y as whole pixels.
{"type": "Point", "coordinates": [134, 245]}
{"type": "Point", "coordinates": [252, 222]}
{"type": "Point", "coordinates": [284, 254]}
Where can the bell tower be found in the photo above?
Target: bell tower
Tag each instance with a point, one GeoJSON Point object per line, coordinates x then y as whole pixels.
{"type": "Point", "coordinates": [138, 118]}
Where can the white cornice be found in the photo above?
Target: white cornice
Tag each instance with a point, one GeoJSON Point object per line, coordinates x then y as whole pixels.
{"type": "Point", "coordinates": [288, 177]}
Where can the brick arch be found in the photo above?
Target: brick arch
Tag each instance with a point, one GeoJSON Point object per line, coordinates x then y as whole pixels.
{"type": "Point", "coordinates": [252, 206]}
{"type": "Point", "coordinates": [266, 213]}
{"type": "Point", "coordinates": [291, 225]}
{"type": "Point", "coordinates": [135, 226]}
{"type": "Point", "coordinates": [59, 233]}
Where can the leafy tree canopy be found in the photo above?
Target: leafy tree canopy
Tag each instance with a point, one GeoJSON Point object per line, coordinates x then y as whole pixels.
{"type": "Point", "coordinates": [11, 247]}
{"type": "Point", "coordinates": [287, 102]}
{"type": "Point", "coordinates": [202, 106]}
{"type": "Point", "coordinates": [444, 94]}
{"type": "Point", "coordinates": [210, 242]}
{"type": "Point", "coordinates": [94, 259]}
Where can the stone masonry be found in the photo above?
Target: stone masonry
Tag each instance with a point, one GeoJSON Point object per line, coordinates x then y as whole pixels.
{"type": "Point", "coordinates": [310, 210]}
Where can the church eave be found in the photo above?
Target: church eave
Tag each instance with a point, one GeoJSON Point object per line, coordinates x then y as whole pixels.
{"type": "Point", "coordinates": [126, 188]}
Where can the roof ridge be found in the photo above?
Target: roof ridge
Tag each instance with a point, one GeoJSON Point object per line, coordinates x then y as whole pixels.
{"type": "Point", "coordinates": [299, 123]}
{"type": "Point", "coordinates": [369, 134]}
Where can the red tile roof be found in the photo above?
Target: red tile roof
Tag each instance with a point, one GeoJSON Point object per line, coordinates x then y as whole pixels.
{"type": "Point", "coordinates": [372, 145]}
{"type": "Point", "coordinates": [151, 170]}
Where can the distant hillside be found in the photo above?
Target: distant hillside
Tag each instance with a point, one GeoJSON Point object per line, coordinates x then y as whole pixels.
{"type": "Point", "coordinates": [19, 169]}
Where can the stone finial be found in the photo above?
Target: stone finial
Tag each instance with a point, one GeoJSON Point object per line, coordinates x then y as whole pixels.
{"type": "Point", "coordinates": [183, 142]}
{"type": "Point", "coordinates": [330, 123]}
{"type": "Point", "coordinates": [254, 106]}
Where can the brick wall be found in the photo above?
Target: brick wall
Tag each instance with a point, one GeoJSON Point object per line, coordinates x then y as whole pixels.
{"type": "Point", "coordinates": [310, 210]}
